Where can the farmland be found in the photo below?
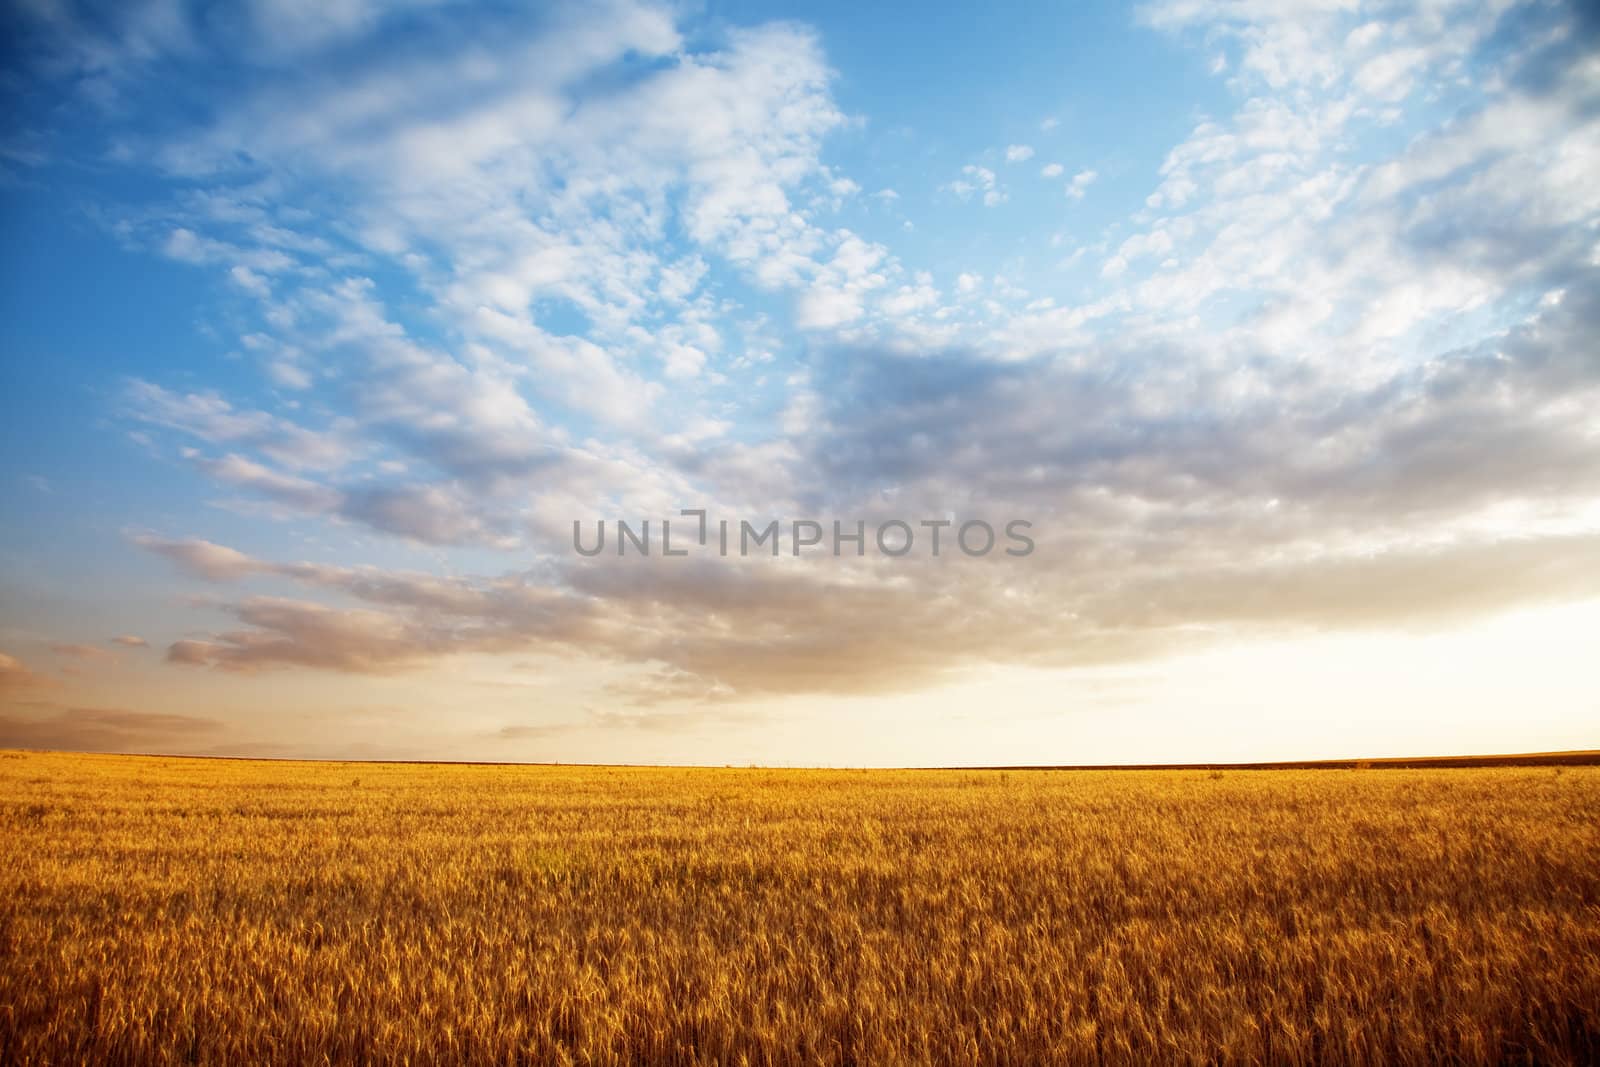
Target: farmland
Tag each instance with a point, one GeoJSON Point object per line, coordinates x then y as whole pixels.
{"type": "Point", "coordinates": [157, 910]}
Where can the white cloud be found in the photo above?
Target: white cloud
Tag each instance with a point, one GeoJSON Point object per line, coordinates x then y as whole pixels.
{"type": "Point", "coordinates": [681, 278]}
{"type": "Point", "coordinates": [1052, 170]}
{"type": "Point", "coordinates": [189, 247]}
{"type": "Point", "coordinates": [979, 181]}
{"type": "Point", "coordinates": [286, 30]}
{"type": "Point", "coordinates": [211, 418]}
{"type": "Point", "coordinates": [536, 221]}
{"type": "Point", "coordinates": [909, 299]}
{"type": "Point", "coordinates": [298, 493]}
{"type": "Point", "coordinates": [1019, 153]}
{"type": "Point", "coordinates": [823, 307]}
{"type": "Point", "coordinates": [843, 188]}
{"type": "Point", "coordinates": [250, 282]}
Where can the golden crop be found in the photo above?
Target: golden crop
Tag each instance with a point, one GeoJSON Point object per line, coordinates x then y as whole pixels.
{"type": "Point", "coordinates": [168, 910]}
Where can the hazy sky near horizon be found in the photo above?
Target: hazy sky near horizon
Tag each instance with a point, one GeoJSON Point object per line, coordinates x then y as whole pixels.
{"type": "Point", "coordinates": [321, 323]}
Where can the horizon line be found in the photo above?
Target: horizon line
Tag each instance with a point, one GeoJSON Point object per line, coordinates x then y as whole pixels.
{"type": "Point", "coordinates": [1563, 758]}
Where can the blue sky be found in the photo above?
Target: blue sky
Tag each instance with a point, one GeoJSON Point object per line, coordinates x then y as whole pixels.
{"type": "Point", "coordinates": [321, 323]}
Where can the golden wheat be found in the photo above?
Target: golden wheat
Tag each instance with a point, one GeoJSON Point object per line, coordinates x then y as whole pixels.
{"type": "Point", "coordinates": [185, 911]}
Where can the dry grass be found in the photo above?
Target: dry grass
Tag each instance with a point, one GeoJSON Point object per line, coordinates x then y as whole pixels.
{"type": "Point", "coordinates": [157, 910]}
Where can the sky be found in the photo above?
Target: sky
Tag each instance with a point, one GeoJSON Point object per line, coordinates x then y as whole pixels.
{"type": "Point", "coordinates": [323, 323]}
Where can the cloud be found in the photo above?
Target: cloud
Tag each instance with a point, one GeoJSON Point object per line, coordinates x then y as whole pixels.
{"type": "Point", "coordinates": [843, 284]}
{"type": "Point", "coordinates": [80, 729]}
{"type": "Point", "coordinates": [1157, 531]}
{"type": "Point", "coordinates": [300, 633]}
{"type": "Point", "coordinates": [822, 308]}
{"type": "Point", "coordinates": [737, 633]}
{"type": "Point", "coordinates": [298, 493]}
{"type": "Point", "coordinates": [282, 29]}
{"type": "Point", "coordinates": [191, 653]}
{"type": "Point", "coordinates": [1019, 153]}
{"type": "Point", "coordinates": [678, 721]}
{"type": "Point", "coordinates": [1052, 170]}
{"type": "Point", "coordinates": [90, 653]}
{"type": "Point", "coordinates": [130, 641]}
{"type": "Point", "coordinates": [432, 514]}
{"type": "Point", "coordinates": [210, 418]}
{"type": "Point", "coordinates": [1274, 204]}
{"type": "Point", "coordinates": [247, 267]}
{"type": "Point", "coordinates": [202, 559]}
{"type": "Point", "coordinates": [541, 176]}
{"type": "Point", "coordinates": [981, 182]}
{"type": "Point", "coordinates": [532, 732]}
{"type": "Point", "coordinates": [15, 675]}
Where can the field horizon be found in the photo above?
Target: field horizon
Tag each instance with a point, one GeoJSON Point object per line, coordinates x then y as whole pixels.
{"type": "Point", "coordinates": [1584, 757]}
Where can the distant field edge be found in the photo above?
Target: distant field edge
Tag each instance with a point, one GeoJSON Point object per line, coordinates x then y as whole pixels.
{"type": "Point", "coordinates": [1576, 758]}
{"type": "Point", "coordinates": [1581, 758]}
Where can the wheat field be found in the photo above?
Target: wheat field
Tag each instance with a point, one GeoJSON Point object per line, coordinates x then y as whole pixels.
{"type": "Point", "coordinates": [158, 910]}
